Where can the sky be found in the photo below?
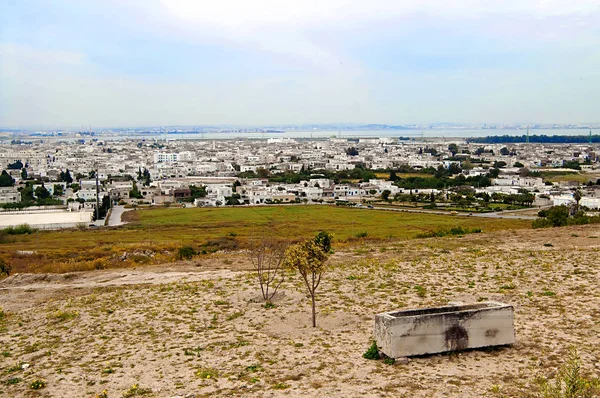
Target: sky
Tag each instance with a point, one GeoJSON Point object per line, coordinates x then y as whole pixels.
{"type": "Point", "coordinates": [66, 63]}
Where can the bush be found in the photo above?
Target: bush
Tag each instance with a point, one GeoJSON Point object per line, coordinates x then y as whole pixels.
{"type": "Point", "coordinates": [541, 223]}
{"type": "Point", "coordinates": [186, 252]}
{"type": "Point", "coordinates": [569, 382]}
{"type": "Point", "coordinates": [226, 243]}
{"type": "Point", "coordinates": [5, 268]}
{"type": "Point", "coordinates": [372, 353]}
{"type": "Point", "coordinates": [21, 229]}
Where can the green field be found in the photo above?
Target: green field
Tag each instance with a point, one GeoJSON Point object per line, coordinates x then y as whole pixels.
{"type": "Point", "coordinates": [293, 222]}
{"type": "Point", "coordinates": [163, 230]}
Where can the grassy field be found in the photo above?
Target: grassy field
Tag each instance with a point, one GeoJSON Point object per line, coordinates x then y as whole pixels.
{"type": "Point", "coordinates": [581, 178]}
{"type": "Point", "coordinates": [154, 235]}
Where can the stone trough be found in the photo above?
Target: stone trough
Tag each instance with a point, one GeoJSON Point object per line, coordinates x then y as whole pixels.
{"type": "Point", "coordinates": [446, 328]}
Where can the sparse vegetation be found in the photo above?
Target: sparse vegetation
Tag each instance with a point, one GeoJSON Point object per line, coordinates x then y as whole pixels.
{"type": "Point", "coordinates": [570, 382]}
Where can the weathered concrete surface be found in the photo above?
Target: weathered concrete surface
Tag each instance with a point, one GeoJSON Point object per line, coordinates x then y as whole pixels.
{"type": "Point", "coordinates": [446, 328]}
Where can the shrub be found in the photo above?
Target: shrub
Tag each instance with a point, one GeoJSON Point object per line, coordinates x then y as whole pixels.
{"type": "Point", "coordinates": [569, 382]}
{"type": "Point", "coordinates": [372, 353]}
{"type": "Point", "coordinates": [541, 223]}
{"type": "Point", "coordinates": [5, 268]}
{"type": "Point", "coordinates": [186, 253]}
{"type": "Point", "coordinates": [21, 229]}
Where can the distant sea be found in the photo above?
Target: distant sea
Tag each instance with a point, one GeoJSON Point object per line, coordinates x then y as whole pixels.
{"type": "Point", "coordinates": [413, 134]}
{"type": "Point", "coordinates": [449, 133]}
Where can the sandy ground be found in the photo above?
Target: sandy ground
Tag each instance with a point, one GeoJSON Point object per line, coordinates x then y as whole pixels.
{"type": "Point", "coordinates": [199, 328]}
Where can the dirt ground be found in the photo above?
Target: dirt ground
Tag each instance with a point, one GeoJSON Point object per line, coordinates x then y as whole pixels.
{"type": "Point", "coordinates": [199, 328]}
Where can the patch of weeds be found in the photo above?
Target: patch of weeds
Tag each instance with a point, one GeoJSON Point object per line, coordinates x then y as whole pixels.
{"type": "Point", "coordinates": [480, 299]}
{"type": "Point", "coordinates": [529, 293]}
{"type": "Point", "coordinates": [298, 345]}
{"type": "Point", "coordinates": [569, 381]}
{"type": "Point", "coordinates": [103, 394]}
{"type": "Point", "coordinates": [6, 354]}
{"type": "Point", "coordinates": [389, 361]}
{"type": "Point", "coordinates": [509, 286]}
{"type": "Point", "coordinates": [372, 352]}
{"type": "Point", "coordinates": [15, 368]}
{"type": "Point", "coordinates": [548, 293]}
{"type": "Point", "coordinates": [421, 291]}
{"type": "Point", "coordinates": [235, 315]}
{"type": "Point", "coordinates": [268, 305]}
{"type": "Point", "coordinates": [221, 302]}
{"type": "Point", "coordinates": [351, 277]}
{"type": "Point", "coordinates": [548, 245]}
{"type": "Point", "coordinates": [37, 384]}
{"type": "Point", "coordinates": [193, 351]}
{"type": "Point", "coordinates": [12, 381]}
{"type": "Point", "coordinates": [280, 386]}
{"type": "Point", "coordinates": [136, 390]}
{"type": "Point", "coordinates": [207, 373]}
{"type": "Point", "coordinates": [253, 368]}
{"type": "Point", "coordinates": [362, 234]}
{"type": "Point", "coordinates": [32, 348]}
{"type": "Point", "coordinates": [61, 316]}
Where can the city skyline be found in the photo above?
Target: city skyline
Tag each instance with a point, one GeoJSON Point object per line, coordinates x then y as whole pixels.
{"type": "Point", "coordinates": [265, 63]}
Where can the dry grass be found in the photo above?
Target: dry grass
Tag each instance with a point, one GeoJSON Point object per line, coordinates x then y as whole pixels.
{"type": "Point", "coordinates": [154, 236]}
{"type": "Point", "coordinates": [205, 334]}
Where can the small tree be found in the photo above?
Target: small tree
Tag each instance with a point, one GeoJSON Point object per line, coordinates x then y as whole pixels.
{"type": "Point", "coordinates": [385, 195]}
{"type": "Point", "coordinates": [267, 257]}
{"type": "Point", "coordinates": [577, 197]}
{"type": "Point", "coordinates": [309, 258]}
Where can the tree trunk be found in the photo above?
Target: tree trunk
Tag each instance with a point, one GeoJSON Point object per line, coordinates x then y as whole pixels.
{"type": "Point", "coordinates": [314, 312]}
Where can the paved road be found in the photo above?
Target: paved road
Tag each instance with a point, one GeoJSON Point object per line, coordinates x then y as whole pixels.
{"type": "Point", "coordinates": [115, 216]}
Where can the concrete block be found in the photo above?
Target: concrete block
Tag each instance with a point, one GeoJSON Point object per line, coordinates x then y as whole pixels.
{"type": "Point", "coordinates": [446, 328]}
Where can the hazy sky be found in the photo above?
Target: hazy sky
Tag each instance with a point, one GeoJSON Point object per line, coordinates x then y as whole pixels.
{"type": "Point", "coordinates": [153, 62]}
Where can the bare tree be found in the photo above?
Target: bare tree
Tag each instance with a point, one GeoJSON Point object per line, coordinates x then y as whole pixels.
{"type": "Point", "coordinates": [267, 257]}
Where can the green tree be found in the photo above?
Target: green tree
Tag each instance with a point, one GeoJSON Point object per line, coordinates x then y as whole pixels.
{"type": "Point", "coordinates": [65, 176]}
{"type": "Point", "coordinates": [42, 193]}
{"type": "Point", "coordinates": [385, 195]}
{"type": "Point", "coordinates": [309, 258]}
{"type": "Point", "coordinates": [352, 151]}
{"type": "Point", "coordinates": [135, 193]}
{"type": "Point", "coordinates": [58, 190]}
{"type": "Point", "coordinates": [6, 180]}
{"type": "Point", "coordinates": [558, 215]}
{"type": "Point", "coordinates": [23, 173]}
{"type": "Point", "coordinates": [577, 196]}
{"type": "Point", "coordinates": [453, 148]}
{"type": "Point", "coordinates": [393, 176]}
{"type": "Point", "coordinates": [17, 165]}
